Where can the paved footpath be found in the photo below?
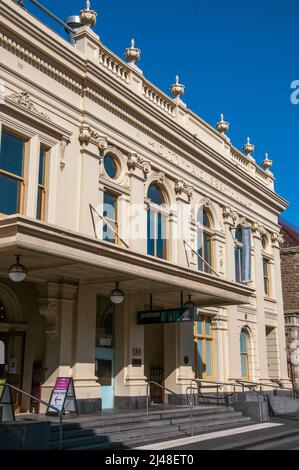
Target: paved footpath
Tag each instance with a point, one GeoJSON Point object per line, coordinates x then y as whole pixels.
{"type": "Point", "coordinates": [282, 433]}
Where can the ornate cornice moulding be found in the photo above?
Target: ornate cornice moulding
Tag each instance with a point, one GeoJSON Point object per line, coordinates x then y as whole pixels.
{"type": "Point", "coordinates": [39, 61]}
{"type": "Point", "coordinates": [24, 99]}
{"type": "Point", "coordinates": [136, 161]}
{"type": "Point", "coordinates": [89, 136]}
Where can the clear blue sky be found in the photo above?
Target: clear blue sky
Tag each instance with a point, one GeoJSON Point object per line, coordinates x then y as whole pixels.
{"type": "Point", "coordinates": [234, 57]}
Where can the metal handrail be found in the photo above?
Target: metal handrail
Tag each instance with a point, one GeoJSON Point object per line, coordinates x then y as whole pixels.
{"type": "Point", "coordinates": [189, 402]}
{"type": "Point", "coordinates": [60, 412]}
{"type": "Point", "coordinates": [256, 384]}
{"type": "Point", "coordinates": [217, 385]}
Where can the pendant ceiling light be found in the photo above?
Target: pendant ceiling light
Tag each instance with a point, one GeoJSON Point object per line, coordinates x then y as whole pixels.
{"type": "Point", "coordinates": [117, 296]}
{"type": "Point", "coordinates": [17, 272]}
{"type": "Point", "coordinates": [189, 303]}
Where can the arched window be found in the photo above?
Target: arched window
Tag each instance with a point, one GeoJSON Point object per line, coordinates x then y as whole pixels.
{"type": "Point", "coordinates": [204, 241]}
{"type": "Point", "coordinates": [239, 259]}
{"type": "Point", "coordinates": [157, 223]}
{"type": "Point", "coordinates": [244, 350]}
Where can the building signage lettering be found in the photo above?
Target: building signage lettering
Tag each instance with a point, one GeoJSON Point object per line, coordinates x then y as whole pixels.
{"type": "Point", "coordinates": [175, 315]}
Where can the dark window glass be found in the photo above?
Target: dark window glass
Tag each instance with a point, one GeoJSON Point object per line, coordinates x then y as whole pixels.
{"type": "Point", "coordinates": [11, 154]}
{"type": "Point", "coordinates": [244, 338]}
{"type": "Point", "coordinates": [238, 263]}
{"type": "Point", "coordinates": [39, 203]}
{"type": "Point", "coordinates": [239, 235]}
{"type": "Point", "coordinates": [42, 167]}
{"type": "Point", "coordinates": [239, 254]}
{"type": "Point", "coordinates": [155, 195]}
{"type": "Point", "coordinates": [204, 251]}
{"type": "Point", "coordinates": [161, 238]}
{"type": "Point", "coordinates": [10, 189]}
{"type": "Point", "coordinates": [203, 218]}
{"type": "Point", "coordinates": [110, 214]}
{"type": "Point", "coordinates": [150, 233]}
{"type": "Point", "coordinates": [110, 166]}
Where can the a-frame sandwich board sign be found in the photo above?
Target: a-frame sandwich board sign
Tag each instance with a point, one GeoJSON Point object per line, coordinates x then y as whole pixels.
{"type": "Point", "coordinates": [63, 397]}
{"type": "Point", "coordinates": [6, 403]}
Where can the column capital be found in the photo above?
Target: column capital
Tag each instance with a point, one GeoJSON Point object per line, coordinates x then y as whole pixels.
{"type": "Point", "coordinates": [136, 162]}
{"type": "Point", "coordinates": [230, 216]}
{"type": "Point", "coordinates": [258, 230]}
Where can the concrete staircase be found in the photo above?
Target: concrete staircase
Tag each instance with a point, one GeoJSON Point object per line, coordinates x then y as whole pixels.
{"type": "Point", "coordinates": [131, 430]}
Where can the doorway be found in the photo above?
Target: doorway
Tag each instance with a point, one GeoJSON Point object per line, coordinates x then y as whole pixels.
{"type": "Point", "coordinates": [105, 350]}
{"type": "Point", "coordinates": [14, 349]}
{"type": "Point", "coordinates": [154, 360]}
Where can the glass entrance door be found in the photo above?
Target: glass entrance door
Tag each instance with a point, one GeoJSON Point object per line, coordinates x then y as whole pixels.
{"type": "Point", "coordinates": [14, 346]}
{"type": "Point", "coordinates": [104, 354]}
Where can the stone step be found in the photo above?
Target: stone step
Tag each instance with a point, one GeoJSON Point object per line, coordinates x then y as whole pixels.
{"type": "Point", "coordinates": [102, 436]}
{"type": "Point", "coordinates": [197, 426]}
{"type": "Point", "coordinates": [98, 429]}
{"type": "Point", "coordinates": [228, 415]}
{"type": "Point", "coordinates": [118, 437]}
{"type": "Point", "coordinates": [101, 421]}
{"type": "Point", "coordinates": [140, 441]}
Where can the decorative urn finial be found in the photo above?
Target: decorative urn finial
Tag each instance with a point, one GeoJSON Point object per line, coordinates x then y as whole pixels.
{"type": "Point", "coordinates": [267, 163]}
{"type": "Point", "coordinates": [132, 53]}
{"type": "Point", "coordinates": [177, 89]}
{"type": "Point", "coordinates": [88, 17]}
{"type": "Point", "coordinates": [222, 126]}
{"type": "Point", "coordinates": [249, 148]}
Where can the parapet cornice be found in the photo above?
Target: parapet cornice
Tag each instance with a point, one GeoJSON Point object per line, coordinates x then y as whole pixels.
{"type": "Point", "coordinates": [151, 112]}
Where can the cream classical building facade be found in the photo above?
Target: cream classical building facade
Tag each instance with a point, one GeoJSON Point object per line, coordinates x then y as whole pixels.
{"type": "Point", "coordinates": [104, 179]}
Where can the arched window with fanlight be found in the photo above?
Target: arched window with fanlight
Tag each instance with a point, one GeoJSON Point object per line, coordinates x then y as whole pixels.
{"type": "Point", "coordinates": [244, 351]}
{"type": "Point", "coordinates": [157, 222]}
{"type": "Point", "coordinates": [204, 241]}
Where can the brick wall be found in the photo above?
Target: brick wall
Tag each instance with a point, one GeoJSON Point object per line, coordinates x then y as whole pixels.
{"type": "Point", "coordinates": [290, 278]}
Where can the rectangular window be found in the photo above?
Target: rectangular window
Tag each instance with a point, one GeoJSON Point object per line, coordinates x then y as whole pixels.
{"type": "Point", "coordinates": [238, 263]}
{"type": "Point", "coordinates": [42, 182]}
{"type": "Point", "coordinates": [244, 354]}
{"type": "Point", "coordinates": [203, 338]}
{"type": "Point", "coordinates": [266, 269]}
{"type": "Point", "coordinates": [204, 251]}
{"type": "Point", "coordinates": [110, 226]}
{"type": "Point", "coordinates": [156, 234]}
{"type": "Point", "coordinates": [12, 158]}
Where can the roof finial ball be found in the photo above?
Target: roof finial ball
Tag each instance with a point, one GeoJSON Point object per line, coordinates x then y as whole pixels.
{"type": "Point", "coordinates": [267, 163]}
{"type": "Point", "coordinates": [88, 17]}
{"type": "Point", "coordinates": [222, 126]}
{"type": "Point", "coordinates": [249, 149]}
{"type": "Point", "coordinates": [177, 89]}
{"type": "Point", "coordinates": [132, 53]}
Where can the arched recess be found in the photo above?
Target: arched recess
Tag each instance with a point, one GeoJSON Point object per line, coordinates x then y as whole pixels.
{"type": "Point", "coordinates": [246, 352]}
{"type": "Point", "coordinates": [11, 304]}
{"type": "Point", "coordinates": [165, 186]}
